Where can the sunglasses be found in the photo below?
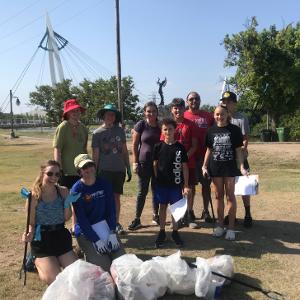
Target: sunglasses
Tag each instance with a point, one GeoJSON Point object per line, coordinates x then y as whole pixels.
{"type": "Point", "coordinates": [50, 174]}
{"type": "Point", "coordinates": [194, 98]}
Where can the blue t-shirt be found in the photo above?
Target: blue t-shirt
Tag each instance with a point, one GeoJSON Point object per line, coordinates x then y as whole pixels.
{"type": "Point", "coordinates": [95, 204]}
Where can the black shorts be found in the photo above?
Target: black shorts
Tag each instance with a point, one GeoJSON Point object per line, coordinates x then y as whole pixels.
{"type": "Point", "coordinates": [116, 179]}
{"type": "Point", "coordinates": [53, 243]}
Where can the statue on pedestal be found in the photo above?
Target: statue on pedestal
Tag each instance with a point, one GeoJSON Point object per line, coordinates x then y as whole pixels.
{"type": "Point", "coordinates": [160, 91]}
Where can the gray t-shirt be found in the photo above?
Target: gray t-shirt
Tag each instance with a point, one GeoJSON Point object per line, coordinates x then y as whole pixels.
{"type": "Point", "coordinates": [110, 143]}
{"type": "Point", "coordinates": [241, 121]}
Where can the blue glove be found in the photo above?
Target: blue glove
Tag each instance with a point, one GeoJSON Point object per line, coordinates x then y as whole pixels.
{"type": "Point", "coordinates": [113, 242]}
{"type": "Point", "coordinates": [37, 233]}
{"type": "Point", "coordinates": [101, 247]}
{"type": "Point", "coordinates": [129, 174]}
{"type": "Point", "coordinates": [71, 199]}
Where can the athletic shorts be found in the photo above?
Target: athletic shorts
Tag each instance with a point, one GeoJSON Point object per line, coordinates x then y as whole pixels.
{"type": "Point", "coordinates": [116, 179]}
{"type": "Point", "coordinates": [167, 195]}
{"type": "Point", "coordinates": [192, 177]}
{"type": "Point", "coordinates": [199, 176]}
{"type": "Point", "coordinates": [53, 243]}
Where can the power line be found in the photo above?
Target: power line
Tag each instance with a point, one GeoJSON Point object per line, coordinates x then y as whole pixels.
{"type": "Point", "coordinates": [42, 68]}
{"type": "Point", "coordinates": [31, 22]}
{"type": "Point", "coordinates": [18, 13]}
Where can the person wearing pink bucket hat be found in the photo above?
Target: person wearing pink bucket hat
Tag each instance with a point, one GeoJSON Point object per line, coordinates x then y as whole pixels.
{"type": "Point", "coordinates": [70, 139]}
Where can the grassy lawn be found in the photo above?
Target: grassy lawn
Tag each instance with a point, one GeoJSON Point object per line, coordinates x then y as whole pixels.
{"type": "Point", "coordinates": [267, 255]}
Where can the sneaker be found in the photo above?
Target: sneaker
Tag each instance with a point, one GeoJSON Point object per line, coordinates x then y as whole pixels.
{"type": "Point", "coordinates": [230, 235]}
{"type": "Point", "coordinates": [191, 221]}
{"type": "Point", "coordinates": [155, 220]}
{"type": "Point", "coordinates": [226, 220]}
{"type": "Point", "coordinates": [176, 238]}
{"type": "Point", "coordinates": [218, 231]}
{"type": "Point", "coordinates": [119, 229]}
{"type": "Point", "coordinates": [248, 221]}
{"type": "Point", "coordinates": [193, 225]}
{"type": "Point", "coordinates": [161, 238]}
{"type": "Point", "coordinates": [135, 224]}
{"type": "Point", "coordinates": [206, 216]}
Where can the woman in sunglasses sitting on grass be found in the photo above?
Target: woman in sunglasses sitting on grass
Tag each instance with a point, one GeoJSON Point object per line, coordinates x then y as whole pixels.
{"type": "Point", "coordinates": [51, 242]}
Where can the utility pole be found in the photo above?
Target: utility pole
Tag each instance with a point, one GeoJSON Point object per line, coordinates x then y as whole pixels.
{"type": "Point", "coordinates": [119, 83]}
{"type": "Point", "coordinates": [12, 133]}
{"type": "Point", "coordinates": [11, 97]}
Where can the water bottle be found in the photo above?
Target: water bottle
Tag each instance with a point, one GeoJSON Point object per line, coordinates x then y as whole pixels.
{"type": "Point", "coordinates": [214, 291]}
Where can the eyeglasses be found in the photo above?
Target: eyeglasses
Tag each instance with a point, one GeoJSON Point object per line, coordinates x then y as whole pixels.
{"type": "Point", "coordinates": [194, 98]}
{"type": "Point", "coordinates": [50, 174]}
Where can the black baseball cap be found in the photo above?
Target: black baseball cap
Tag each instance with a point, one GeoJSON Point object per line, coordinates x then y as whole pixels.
{"type": "Point", "coordinates": [178, 102]}
{"type": "Point", "coordinates": [229, 96]}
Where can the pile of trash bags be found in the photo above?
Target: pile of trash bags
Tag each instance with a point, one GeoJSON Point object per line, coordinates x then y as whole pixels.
{"type": "Point", "coordinates": [135, 279]}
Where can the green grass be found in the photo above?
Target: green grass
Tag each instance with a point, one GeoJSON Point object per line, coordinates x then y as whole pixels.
{"type": "Point", "coordinates": [268, 254]}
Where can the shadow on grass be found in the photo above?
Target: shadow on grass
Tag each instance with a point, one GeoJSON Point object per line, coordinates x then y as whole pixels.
{"type": "Point", "coordinates": [266, 236]}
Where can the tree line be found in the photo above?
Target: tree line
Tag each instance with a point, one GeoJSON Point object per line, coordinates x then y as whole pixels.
{"type": "Point", "coordinates": [267, 76]}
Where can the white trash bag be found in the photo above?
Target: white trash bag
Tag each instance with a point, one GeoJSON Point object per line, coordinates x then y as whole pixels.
{"type": "Point", "coordinates": [203, 277]}
{"type": "Point", "coordinates": [222, 264]}
{"type": "Point", "coordinates": [138, 280]}
{"type": "Point", "coordinates": [181, 278]}
{"type": "Point", "coordinates": [81, 281]}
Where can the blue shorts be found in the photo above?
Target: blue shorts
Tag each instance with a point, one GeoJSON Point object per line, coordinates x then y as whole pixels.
{"type": "Point", "coordinates": [167, 195]}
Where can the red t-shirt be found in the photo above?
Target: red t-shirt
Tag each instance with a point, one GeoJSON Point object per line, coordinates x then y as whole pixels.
{"type": "Point", "coordinates": [184, 134]}
{"type": "Point", "coordinates": [202, 121]}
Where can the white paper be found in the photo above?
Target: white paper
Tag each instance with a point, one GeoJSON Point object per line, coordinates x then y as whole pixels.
{"type": "Point", "coordinates": [102, 230]}
{"type": "Point", "coordinates": [246, 185]}
{"type": "Point", "coordinates": [178, 209]}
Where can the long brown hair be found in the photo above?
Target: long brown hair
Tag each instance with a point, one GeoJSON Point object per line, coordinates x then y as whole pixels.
{"type": "Point", "coordinates": [37, 185]}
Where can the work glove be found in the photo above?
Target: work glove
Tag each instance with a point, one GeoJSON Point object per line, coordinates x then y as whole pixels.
{"type": "Point", "coordinates": [129, 175]}
{"type": "Point", "coordinates": [135, 168]}
{"type": "Point", "coordinates": [71, 199]}
{"type": "Point", "coordinates": [101, 247]}
{"type": "Point", "coordinates": [113, 242]}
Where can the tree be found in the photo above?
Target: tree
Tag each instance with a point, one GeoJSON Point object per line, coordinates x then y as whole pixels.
{"type": "Point", "coordinates": [267, 68]}
{"type": "Point", "coordinates": [209, 108]}
{"type": "Point", "coordinates": [91, 95]}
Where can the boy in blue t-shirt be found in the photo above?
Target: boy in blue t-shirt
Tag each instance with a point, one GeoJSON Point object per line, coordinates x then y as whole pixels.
{"type": "Point", "coordinates": [172, 177]}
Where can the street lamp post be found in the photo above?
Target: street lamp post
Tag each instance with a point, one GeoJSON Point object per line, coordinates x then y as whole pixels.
{"type": "Point", "coordinates": [11, 97]}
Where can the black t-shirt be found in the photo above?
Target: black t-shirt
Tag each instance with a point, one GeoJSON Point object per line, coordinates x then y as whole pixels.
{"type": "Point", "coordinates": [169, 167]}
{"type": "Point", "coordinates": [223, 141]}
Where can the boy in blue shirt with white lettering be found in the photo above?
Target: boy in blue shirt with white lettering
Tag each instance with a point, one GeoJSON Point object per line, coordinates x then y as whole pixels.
{"type": "Point", "coordinates": [172, 176]}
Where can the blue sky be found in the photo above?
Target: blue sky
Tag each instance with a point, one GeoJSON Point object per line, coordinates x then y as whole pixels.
{"type": "Point", "coordinates": [177, 39]}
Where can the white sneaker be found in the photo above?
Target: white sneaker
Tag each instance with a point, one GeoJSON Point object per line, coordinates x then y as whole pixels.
{"type": "Point", "coordinates": [230, 235]}
{"type": "Point", "coordinates": [218, 231]}
{"type": "Point", "coordinates": [193, 225]}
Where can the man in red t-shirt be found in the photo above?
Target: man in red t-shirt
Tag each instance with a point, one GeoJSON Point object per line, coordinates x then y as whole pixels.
{"type": "Point", "coordinates": [202, 121]}
{"type": "Point", "coordinates": [185, 134]}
